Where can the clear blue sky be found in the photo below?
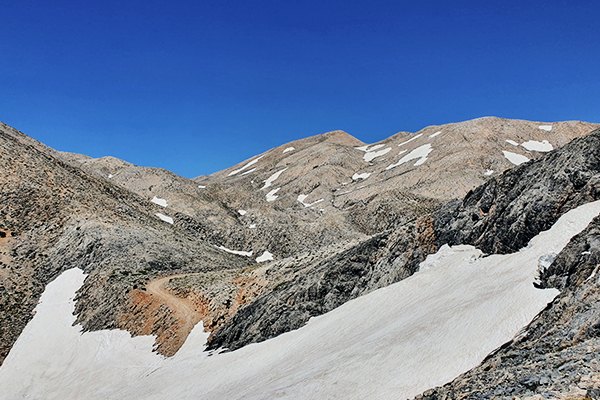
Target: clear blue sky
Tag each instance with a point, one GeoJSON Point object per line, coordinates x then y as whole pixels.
{"type": "Point", "coordinates": [198, 86]}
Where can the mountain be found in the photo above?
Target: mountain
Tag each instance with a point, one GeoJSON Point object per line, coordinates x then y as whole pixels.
{"type": "Point", "coordinates": [339, 219]}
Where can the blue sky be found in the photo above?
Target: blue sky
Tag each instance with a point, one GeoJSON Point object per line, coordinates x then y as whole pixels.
{"type": "Point", "coordinates": [197, 86]}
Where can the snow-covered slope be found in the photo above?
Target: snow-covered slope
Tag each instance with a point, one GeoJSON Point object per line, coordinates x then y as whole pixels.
{"type": "Point", "coordinates": [392, 343]}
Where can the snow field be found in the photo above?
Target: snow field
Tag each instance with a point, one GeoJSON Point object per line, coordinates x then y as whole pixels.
{"type": "Point", "coordinates": [420, 153]}
{"type": "Point", "coordinates": [547, 128]}
{"type": "Point", "coordinates": [370, 155]}
{"type": "Point", "coordinates": [272, 179]}
{"type": "Point", "coordinates": [271, 196]}
{"type": "Point", "coordinates": [238, 252]}
{"type": "Point", "coordinates": [489, 172]}
{"type": "Point", "coordinates": [303, 197]}
{"type": "Point", "coordinates": [392, 343]}
{"type": "Point", "coordinates": [289, 149]}
{"type": "Point", "coordinates": [515, 158]}
{"type": "Point", "coordinates": [411, 139]}
{"type": "Point", "coordinates": [266, 256]}
{"type": "Point", "coordinates": [160, 202]}
{"type": "Point", "coordinates": [435, 134]}
{"type": "Point", "coordinates": [242, 212]}
{"type": "Point", "coordinates": [165, 218]}
{"type": "Point", "coordinates": [512, 142]}
{"type": "Point", "coordinates": [364, 175]}
{"type": "Point", "coordinates": [245, 166]}
{"type": "Point", "coordinates": [542, 146]}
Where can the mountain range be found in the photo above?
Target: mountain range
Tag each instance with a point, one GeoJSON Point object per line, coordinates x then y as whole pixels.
{"type": "Point", "coordinates": [318, 245]}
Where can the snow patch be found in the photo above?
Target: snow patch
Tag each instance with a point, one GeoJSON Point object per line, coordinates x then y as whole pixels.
{"type": "Point", "coordinates": [547, 128]}
{"type": "Point", "coordinates": [272, 179]}
{"type": "Point", "coordinates": [165, 218]}
{"type": "Point", "coordinates": [514, 158]}
{"type": "Point", "coordinates": [266, 256]}
{"type": "Point", "coordinates": [271, 196]}
{"type": "Point", "coordinates": [242, 212]}
{"type": "Point", "coordinates": [512, 142]}
{"type": "Point", "coordinates": [370, 154]}
{"type": "Point", "coordinates": [239, 253]}
{"type": "Point", "coordinates": [435, 134]}
{"type": "Point", "coordinates": [411, 139]}
{"type": "Point", "coordinates": [489, 172]}
{"type": "Point", "coordinates": [419, 153]}
{"type": "Point", "coordinates": [160, 202]}
{"type": "Point", "coordinates": [364, 175]}
{"type": "Point", "coordinates": [245, 166]}
{"type": "Point", "coordinates": [201, 187]}
{"type": "Point", "coordinates": [289, 149]}
{"type": "Point", "coordinates": [542, 146]}
{"type": "Point", "coordinates": [248, 172]}
{"type": "Point", "coordinates": [110, 176]}
{"type": "Point", "coordinates": [252, 226]}
{"type": "Point", "coordinates": [303, 197]}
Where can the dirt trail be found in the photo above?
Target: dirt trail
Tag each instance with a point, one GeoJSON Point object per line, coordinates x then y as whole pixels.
{"type": "Point", "coordinates": [183, 310]}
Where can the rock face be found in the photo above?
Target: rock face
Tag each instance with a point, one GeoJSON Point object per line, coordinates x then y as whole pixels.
{"type": "Point", "coordinates": [341, 219]}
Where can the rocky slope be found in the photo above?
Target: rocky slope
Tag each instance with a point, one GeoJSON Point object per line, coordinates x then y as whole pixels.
{"type": "Point", "coordinates": [340, 217]}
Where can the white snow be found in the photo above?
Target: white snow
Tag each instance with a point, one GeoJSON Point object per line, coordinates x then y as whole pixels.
{"type": "Point", "coordinates": [242, 212]}
{"type": "Point", "coordinates": [248, 172]}
{"type": "Point", "coordinates": [160, 202]}
{"type": "Point", "coordinates": [252, 226]}
{"type": "Point", "coordinates": [514, 158]}
{"type": "Point", "coordinates": [266, 256]}
{"type": "Point", "coordinates": [238, 252]}
{"type": "Point", "coordinates": [272, 179]}
{"type": "Point", "coordinates": [512, 142]}
{"type": "Point", "coordinates": [110, 176]}
{"type": "Point", "coordinates": [303, 197]}
{"type": "Point", "coordinates": [419, 153]}
{"type": "Point", "coordinates": [435, 134]}
{"type": "Point", "coordinates": [271, 196]}
{"type": "Point", "coordinates": [392, 343]}
{"type": "Point", "coordinates": [364, 175]}
{"type": "Point", "coordinates": [289, 149]}
{"type": "Point", "coordinates": [202, 187]}
{"type": "Point", "coordinates": [547, 128]}
{"type": "Point", "coordinates": [363, 148]}
{"type": "Point", "coordinates": [542, 146]}
{"type": "Point", "coordinates": [245, 166]}
{"type": "Point", "coordinates": [489, 172]}
{"type": "Point", "coordinates": [165, 218]}
{"type": "Point", "coordinates": [370, 154]}
{"type": "Point", "coordinates": [411, 139]}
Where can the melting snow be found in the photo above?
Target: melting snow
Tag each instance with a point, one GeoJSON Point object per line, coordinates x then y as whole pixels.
{"type": "Point", "coordinates": [239, 253]}
{"type": "Point", "coordinates": [364, 175]}
{"type": "Point", "coordinates": [165, 218]}
{"type": "Point", "coordinates": [514, 158]}
{"type": "Point", "coordinates": [370, 155]}
{"type": "Point", "coordinates": [489, 172]}
{"type": "Point", "coordinates": [392, 343]}
{"type": "Point", "coordinates": [542, 146]}
{"type": "Point", "coordinates": [547, 128]}
{"type": "Point", "coordinates": [245, 166]}
{"type": "Point", "coordinates": [420, 152]}
{"type": "Point", "coordinates": [248, 172]}
{"type": "Point", "coordinates": [242, 212]}
{"type": "Point", "coordinates": [512, 142]}
{"type": "Point", "coordinates": [435, 134]}
{"type": "Point", "coordinates": [411, 139]}
{"type": "Point", "coordinates": [271, 179]}
{"type": "Point", "coordinates": [266, 256]}
{"type": "Point", "coordinates": [160, 202]}
{"type": "Point", "coordinates": [271, 196]}
{"type": "Point", "coordinates": [289, 149]}
{"type": "Point", "coordinates": [303, 197]}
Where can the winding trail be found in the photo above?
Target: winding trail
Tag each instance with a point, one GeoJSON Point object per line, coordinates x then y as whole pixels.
{"type": "Point", "coordinates": [184, 310]}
